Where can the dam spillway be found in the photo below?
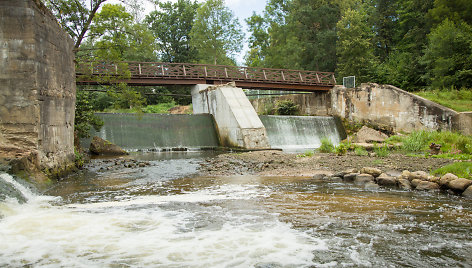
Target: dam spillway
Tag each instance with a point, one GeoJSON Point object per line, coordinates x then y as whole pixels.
{"type": "Point", "coordinates": [158, 131]}
{"type": "Point", "coordinates": [293, 133]}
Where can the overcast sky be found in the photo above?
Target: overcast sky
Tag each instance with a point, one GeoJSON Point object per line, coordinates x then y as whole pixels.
{"type": "Point", "coordinates": [242, 9]}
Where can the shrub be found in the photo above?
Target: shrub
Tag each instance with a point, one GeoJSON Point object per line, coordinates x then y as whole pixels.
{"type": "Point", "coordinates": [326, 146]}
{"type": "Point", "coordinates": [287, 107]}
{"type": "Point", "coordinates": [341, 149]}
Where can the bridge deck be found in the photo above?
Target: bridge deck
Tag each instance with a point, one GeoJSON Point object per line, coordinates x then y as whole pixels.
{"type": "Point", "coordinates": [158, 73]}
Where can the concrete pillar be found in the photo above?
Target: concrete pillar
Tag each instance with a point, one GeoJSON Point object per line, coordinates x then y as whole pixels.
{"type": "Point", "coordinates": [238, 124]}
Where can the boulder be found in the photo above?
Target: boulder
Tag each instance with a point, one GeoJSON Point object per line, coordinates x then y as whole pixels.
{"type": "Point", "coordinates": [468, 192]}
{"type": "Point", "coordinates": [427, 186]}
{"type": "Point", "coordinates": [369, 135]}
{"type": "Point", "coordinates": [363, 179]}
{"type": "Point", "coordinates": [404, 184]}
{"type": "Point", "coordinates": [419, 175]}
{"type": "Point", "coordinates": [385, 180]}
{"type": "Point", "coordinates": [406, 174]}
{"type": "Point", "coordinates": [100, 146]}
{"type": "Point", "coordinates": [459, 185]}
{"type": "Point", "coordinates": [350, 176]}
{"type": "Point", "coordinates": [415, 182]}
{"type": "Point", "coordinates": [446, 178]}
{"type": "Point", "coordinates": [372, 171]}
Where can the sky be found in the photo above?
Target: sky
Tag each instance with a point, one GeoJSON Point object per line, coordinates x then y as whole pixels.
{"type": "Point", "coordinates": [242, 9]}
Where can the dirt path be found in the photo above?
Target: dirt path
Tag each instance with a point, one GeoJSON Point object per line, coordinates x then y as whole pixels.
{"type": "Point", "coordinates": [276, 163]}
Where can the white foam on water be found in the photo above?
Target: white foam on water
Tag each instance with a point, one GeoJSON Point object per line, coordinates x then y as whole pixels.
{"type": "Point", "coordinates": [140, 233]}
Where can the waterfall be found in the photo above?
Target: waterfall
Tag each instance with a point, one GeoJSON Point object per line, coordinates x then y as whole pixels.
{"type": "Point", "coordinates": [158, 131]}
{"type": "Point", "coordinates": [293, 133]}
{"type": "Point", "coordinates": [10, 188]}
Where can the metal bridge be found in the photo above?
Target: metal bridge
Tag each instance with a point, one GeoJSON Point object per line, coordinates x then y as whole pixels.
{"type": "Point", "coordinates": [160, 73]}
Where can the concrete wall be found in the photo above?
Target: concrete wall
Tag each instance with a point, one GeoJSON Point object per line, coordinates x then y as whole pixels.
{"type": "Point", "coordinates": [462, 122]}
{"type": "Point", "coordinates": [318, 103]}
{"type": "Point", "coordinates": [37, 85]}
{"type": "Point", "coordinates": [391, 107]}
{"type": "Point", "coordinates": [236, 120]}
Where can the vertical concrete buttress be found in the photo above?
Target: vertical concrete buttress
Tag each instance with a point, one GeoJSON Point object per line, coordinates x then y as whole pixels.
{"type": "Point", "coordinates": [238, 124]}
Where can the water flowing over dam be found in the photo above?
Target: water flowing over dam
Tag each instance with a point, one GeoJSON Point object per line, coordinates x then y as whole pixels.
{"type": "Point", "coordinates": [163, 131]}
{"type": "Point", "coordinates": [158, 131]}
{"type": "Point", "coordinates": [301, 132]}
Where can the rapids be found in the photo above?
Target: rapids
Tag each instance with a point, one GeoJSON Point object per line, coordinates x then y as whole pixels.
{"type": "Point", "coordinates": [163, 215]}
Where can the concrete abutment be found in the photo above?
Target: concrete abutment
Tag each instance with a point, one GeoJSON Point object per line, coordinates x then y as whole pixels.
{"type": "Point", "coordinates": [237, 123]}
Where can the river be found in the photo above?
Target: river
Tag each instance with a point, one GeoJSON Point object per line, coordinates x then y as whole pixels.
{"type": "Point", "coordinates": [163, 215]}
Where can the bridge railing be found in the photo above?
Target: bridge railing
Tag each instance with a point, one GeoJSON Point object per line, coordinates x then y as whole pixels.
{"type": "Point", "coordinates": [204, 71]}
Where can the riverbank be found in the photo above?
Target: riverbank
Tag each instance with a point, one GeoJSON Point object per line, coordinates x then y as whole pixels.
{"type": "Point", "coordinates": [276, 163]}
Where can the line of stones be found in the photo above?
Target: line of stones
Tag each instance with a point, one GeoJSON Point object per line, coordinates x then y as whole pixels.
{"type": "Point", "coordinates": [373, 178]}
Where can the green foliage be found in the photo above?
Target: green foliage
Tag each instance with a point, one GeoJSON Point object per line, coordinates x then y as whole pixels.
{"type": "Point", "coordinates": [382, 151]}
{"type": "Point", "coordinates": [287, 107]}
{"type": "Point", "coordinates": [79, 158]}
{"type": "Point", "coordinates": [160, 108]}
{"type": "Point", "coordinates": [125, 97]}
{"type": "Point", "coordinates": [308, 153]}
{"type": "Point", "coordinates": [341, 149]}
{"type": "Point", "coordinates": [460, 169]}
{"type": "Point", "coordinates": [360, 151]}
{"type": "Point", "coordinates": [451, 142]}
{"type": "Point", "coordinates": [85, 117]}
{"type": "Point", "coordinates": [171, 25]}
{"type": "Point", "coordinates": [216, 33]}
{"type": "Point", "coordinates": [355, 49]}
{"type": "Point", "coordinates": [448, 56]}
{"type": "Point", "coordinates": [326, 146]}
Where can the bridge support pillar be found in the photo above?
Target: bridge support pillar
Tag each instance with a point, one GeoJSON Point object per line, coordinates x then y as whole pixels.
{"type": "Point", "coordinates": [238, 124]}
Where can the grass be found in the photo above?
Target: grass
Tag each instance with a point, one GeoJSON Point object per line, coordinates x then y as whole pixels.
{"type": "Point", "coordinates": [307, 153]}
{"type": "Point", "coordinates": [460, 169]}
{"type": "Point", "coordinates": [458, 100]}
{"type": "Point", "coordinates": [418, 142]}
{"type": "Point", "coordinates": [381, 151]}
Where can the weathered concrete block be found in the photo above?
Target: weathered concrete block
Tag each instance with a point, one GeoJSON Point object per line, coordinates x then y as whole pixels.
{"type": "Point", "coordinates": [37, 85]}
{"type": "Point", "coordinates": [238, 124]}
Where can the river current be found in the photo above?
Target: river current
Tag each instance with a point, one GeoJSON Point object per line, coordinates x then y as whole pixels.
{"type": "Point", "coordinates": [163, 215]}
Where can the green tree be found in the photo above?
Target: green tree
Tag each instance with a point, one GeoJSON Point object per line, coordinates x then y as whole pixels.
{"type": "Point", "coordinates": [355, 50]}
{"type": "Point", "coordinates": [258, 41]}
{"type": "Point", "coordinates": [85, 117]}
{"type": "Point", "coordinates": [448, 56]}
{"type": "Point", "coordinates": [171, 26]}
{"type": "Point", "coordinates": [216, 33]}
{"type": "Point", "coordinates": [75, 16]}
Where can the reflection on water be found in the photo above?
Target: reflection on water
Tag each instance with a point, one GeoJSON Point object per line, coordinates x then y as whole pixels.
{"type": "Point", "coordinates": [164, 216]}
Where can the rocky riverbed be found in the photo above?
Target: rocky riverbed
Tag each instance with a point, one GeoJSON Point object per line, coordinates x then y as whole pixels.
{"type": "Point", "coordinates": [273, 163]}
{"type": "Point", "coordinates": [396, 170]}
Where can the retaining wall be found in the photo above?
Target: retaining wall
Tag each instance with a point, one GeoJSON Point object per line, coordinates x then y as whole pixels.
{"type": "Point", "coordinates": [37, 86]}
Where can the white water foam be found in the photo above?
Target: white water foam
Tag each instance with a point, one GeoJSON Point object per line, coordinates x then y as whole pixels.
{"type": "Point", "coordinates": [140, 233]}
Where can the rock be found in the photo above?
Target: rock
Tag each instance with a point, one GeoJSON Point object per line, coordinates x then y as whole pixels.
{"type": "Point", "coordinates": [350, 176]}
{"type": "Point", "coordinates": [459, 184]}
{"type": "Point", "coordinates": [363, 178]}
{"type": "Point", "coordinates": [321, 175]}
{"type": "Point", "coordinates": [406, 174]}
{"type": "Point", "coordinates": [100, 146]}
{"type": "Point", "coordinates": [415, 182]}
{"type": "Point", "coordinates": [418, 175]}
{"type": "Point", "coordinates": [372, 171]}
{"type": "Point", "coordinates": [433, 179]}
{"type": "Point", "coordinates": [427, 186]}
{"type": "Point", "coordinates": [404, 184]}
{"type": "Point", "coordinates": [446, 178]}
{"type": "Point", "coordinates": [385, 180]}
{"type": "Point", "coordinates": [335, 179]}
{"type": "Point", "coordinates": [369, 135]}
{"type": "Point", "coordinates": [371, 186]}
{"type": "Point", "coordinates": [468, 192]}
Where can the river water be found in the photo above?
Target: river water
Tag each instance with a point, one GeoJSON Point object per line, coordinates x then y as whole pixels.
{"type": "Point", "coordinates": [163, 215]}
